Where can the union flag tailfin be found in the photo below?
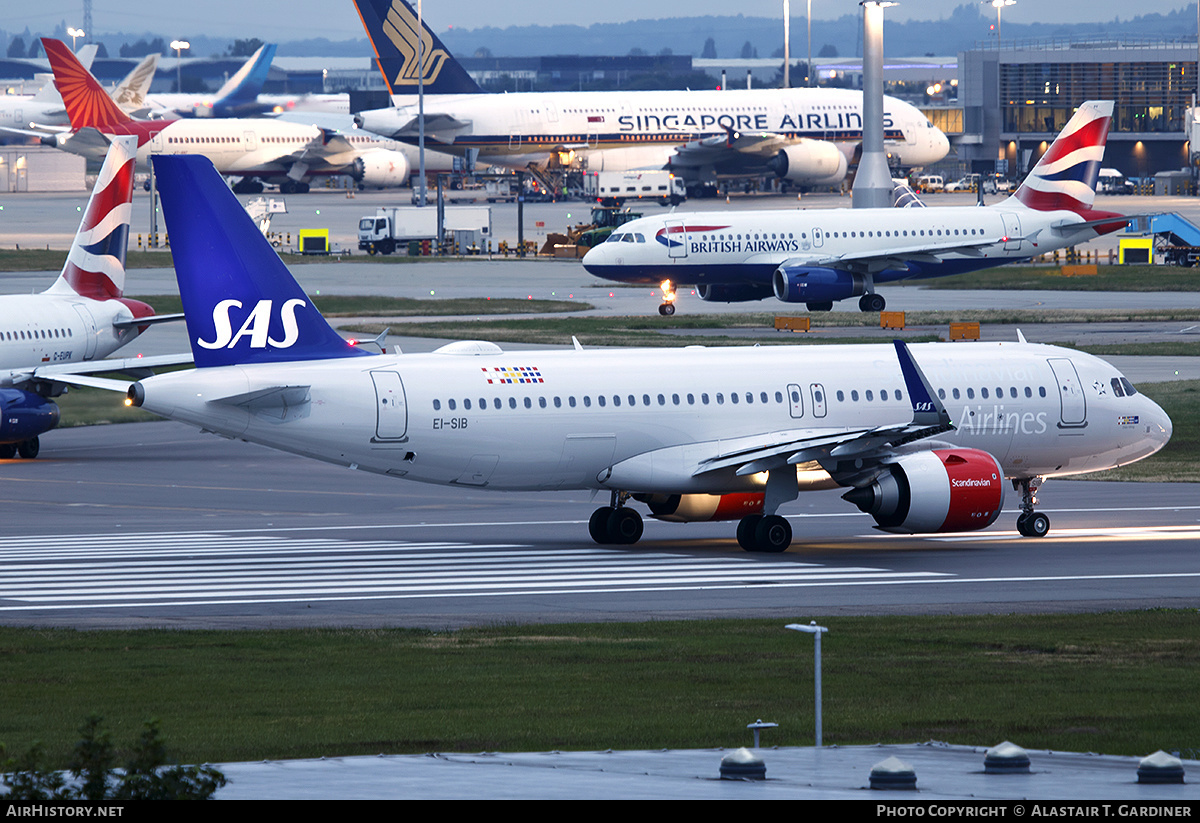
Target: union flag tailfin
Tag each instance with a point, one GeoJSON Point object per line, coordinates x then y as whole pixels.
{"type": "Point", "coordinates": [95, 266]}
{"type": "Point", "coordinates": [86, 101]}
{"type": "Point", "coordinates": [1065, 177]}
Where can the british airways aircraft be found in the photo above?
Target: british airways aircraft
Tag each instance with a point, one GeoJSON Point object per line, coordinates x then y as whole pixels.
{"type": "Point", "coordinates": [922, 438]}
{"type": "Point", "coordinates": [82, 317]}
{"type": "Point", "coordinates": [820, 256]}
{"type": "Point", "coordinates": [804, 136]}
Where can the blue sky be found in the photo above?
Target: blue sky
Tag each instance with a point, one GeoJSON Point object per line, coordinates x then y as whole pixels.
{"type": "Point", "coordinates": [272, 20]}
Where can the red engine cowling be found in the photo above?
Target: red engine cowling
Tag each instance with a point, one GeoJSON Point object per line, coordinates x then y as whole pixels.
{"type": "Point", "coordinates": [944, 490]}
{"type": "Point", "coordinates": [689, 508]}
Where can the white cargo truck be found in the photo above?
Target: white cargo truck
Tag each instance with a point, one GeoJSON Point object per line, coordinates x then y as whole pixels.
{"type": "Point", "coordinates": [393, 227]}
{"type": "Point", "coordinates": [615, 187]}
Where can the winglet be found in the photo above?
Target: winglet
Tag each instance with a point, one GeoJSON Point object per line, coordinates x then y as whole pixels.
{"type": "Point", "coordinates": [927, 408]}
{"type": "Point", "coordinates": [241, 302]}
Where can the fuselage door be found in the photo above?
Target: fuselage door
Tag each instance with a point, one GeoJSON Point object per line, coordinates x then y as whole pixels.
{"type": "Point", "coordinates": [676, 238]}
{"type": "Point", "coordinates": [1012, 231]}
{"type": "Point", "coordinates": [89, 330]}
{"type": "Point", "coordinates": [795, 401]}
{"type": "Point", "coordinates": [391, 409]}
{"type": "Point", "coordinates": [818, 238]}
{"type": "Point", "coordinates": [1070, 393]}
{"type": "Point", "coordinates": [817, 392]}
{"type": "Point", "coordinates": [251, 140]}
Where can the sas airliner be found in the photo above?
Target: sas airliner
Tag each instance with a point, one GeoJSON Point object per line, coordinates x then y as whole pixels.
{"type": "Point", "coordinates": [804, 136]}
{"type": "Point", "coordinates": [924, 439]}
{"type": "Point", "coordinates": [820, 256]}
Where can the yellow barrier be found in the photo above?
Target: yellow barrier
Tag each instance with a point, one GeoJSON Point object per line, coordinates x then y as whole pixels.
{"type": "Point", "coordinates": [1079, 270]}
{"type": "Point", "coordinates": [891, 320]}
{"type": "Point", "coordinates": [964, 331]}
{"type": "Point", "coordinates": [792, 324]}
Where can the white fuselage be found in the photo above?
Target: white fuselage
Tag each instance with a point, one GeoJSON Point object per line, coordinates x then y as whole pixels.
{"type": "Point", "coordinates": [619, 131]}
{"type": "Point", "coordinates": [591, 419]}
{"type": "Point", "coordinates": [44, 329]}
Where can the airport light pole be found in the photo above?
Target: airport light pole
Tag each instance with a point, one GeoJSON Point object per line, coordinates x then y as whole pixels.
{"type": "Point", "coordinates": [179, 46]}
{"type": "Point", "coordinates": [74, 34]}
{"type": "Point", "coordinates": [787, 43]}
{"type": "Point", "coordinates": [998, 5]}
{"type": "Point", "coordinates": [421, 107]}
{"type": "Point", "coordinates": [816, 631]}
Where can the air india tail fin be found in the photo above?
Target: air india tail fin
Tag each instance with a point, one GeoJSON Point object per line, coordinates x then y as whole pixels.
{"type": "Point", "coordinates": [394, 34]}
{"type": "Point", "coordinates": [242, 304]}
{"type": "Point", "coordinates": [86, 101]}
{"type": "Point", "coordinates": [95, 266]}
{"type": "Point", "coordinates": [1065, 177]}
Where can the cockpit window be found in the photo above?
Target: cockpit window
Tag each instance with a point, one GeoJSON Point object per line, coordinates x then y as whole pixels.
{"type": "Point", "coordinates": [615, 238]}
{"type": "Point", "coordinates": [1130, 391]}
{"type": "Point", "coordinates": [1118, 389]}
{"type": "Point", "coordinates": [628, 238]}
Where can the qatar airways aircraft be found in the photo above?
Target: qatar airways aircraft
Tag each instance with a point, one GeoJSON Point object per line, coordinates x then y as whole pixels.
{"type": "Point", "coordinates": [922, 437]}
{"type": "Point", "coordinates": [820, 256]}
{"type": "Point", "coordinates": [82, 317]}
{"type": "Point", "coordinates": [256, 150]}
{"type": "Point", "coordinates": [805, 136]}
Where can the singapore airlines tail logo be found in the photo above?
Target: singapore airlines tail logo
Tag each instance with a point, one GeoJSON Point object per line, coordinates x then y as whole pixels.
{"type": "Point", "coordinates": [402, 29]}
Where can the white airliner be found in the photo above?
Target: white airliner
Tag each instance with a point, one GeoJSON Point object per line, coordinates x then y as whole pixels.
{"type": "Point", "coordinates": [696, 434]}
{"type": "Point", "coordinates": [254, 149]}
{"type": "Point", "coordinates": [820, 256]}
{"type": "Point", "coordinates": [82, 317]}
{"type": "Point", "coordinates": [805, 136]}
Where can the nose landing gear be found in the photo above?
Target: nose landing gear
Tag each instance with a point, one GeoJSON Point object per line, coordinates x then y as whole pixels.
{"type": "Point", "coordinates": [668, 304]}
{"type": "Point", "coordinates": [1030, 523]}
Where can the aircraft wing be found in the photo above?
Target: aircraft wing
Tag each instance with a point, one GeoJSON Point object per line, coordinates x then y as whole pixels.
{"type": "Point", "coordinates": [714, 150]}
{"type": "Point", "coordinates": [84, 374]}
{"type": "Point", "coordinates": [848, 455]}
{"type": "Point", "coordinates": [874, 261]}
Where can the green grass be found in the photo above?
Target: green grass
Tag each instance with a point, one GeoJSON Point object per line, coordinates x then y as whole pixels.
{"type": "Point", "coordinates": [1119, 683]}
{"type": "Point", "coordinates": [335, 305]}
{"type": "Point", "coordinates": [1107, 278]}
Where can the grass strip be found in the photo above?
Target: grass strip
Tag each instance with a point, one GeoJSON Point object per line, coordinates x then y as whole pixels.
{"type": "Point", "coordinates": [337, 305]}
{"type": "Point", "coordinates": [1118, 683]}
{"type": "Point", "coordinates": [1051, 278]}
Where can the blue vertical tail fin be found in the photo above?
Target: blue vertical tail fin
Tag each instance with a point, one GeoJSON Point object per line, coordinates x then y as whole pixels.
{"type": "Point", "coordinates": [241, 303]}
{"type": "Point", "coordinates": [240, 93]}
{"type": "Point", "coordinates": [392, 28]}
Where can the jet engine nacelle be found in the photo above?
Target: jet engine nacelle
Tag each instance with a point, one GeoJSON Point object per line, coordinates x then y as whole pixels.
{"type": "Point", "coordinates": [808, 284]}
{"type": "Point", "coordinates": [738, 293]}
{"type": "Point", "coordinates": [690, 508]}
{"type": "Point", "coordinates": [813, 162]}
{"type": "Point", "coordinates": [944, 490]}
{"type": "Point", "coordinates": [24, 415]}
{"type": "Point", "coordinates": [381, 169]}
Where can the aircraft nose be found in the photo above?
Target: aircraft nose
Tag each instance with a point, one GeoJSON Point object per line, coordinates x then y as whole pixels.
{"type": "Point", "coordinates": [595, 257]}
{"type": "Point", "coordinates": [940, 143]}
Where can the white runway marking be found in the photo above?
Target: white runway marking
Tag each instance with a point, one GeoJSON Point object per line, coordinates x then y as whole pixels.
{"type": "Point", "coordinates": [161, 569]}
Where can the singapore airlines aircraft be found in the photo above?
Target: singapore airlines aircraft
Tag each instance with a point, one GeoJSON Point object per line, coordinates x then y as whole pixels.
{"type": "Point", "coordinates": [923, 438]}
{"type": "Point", "coordinates": [819, 256]}
{"type": "Point", "coordinates": [254, 149]}
{"type": "Point", "coordinates": [82, 317]}
{"type": "Point", "coordinates": [805, 136]}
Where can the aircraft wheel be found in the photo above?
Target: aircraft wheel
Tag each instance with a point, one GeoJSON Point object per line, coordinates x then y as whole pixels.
{"type": "Point", "coordinates": [8, 451]}
{"type": "Point", "coordinates": [1033, 524]}
{"type": "Point", "coordinates": [302, 188]}
{"type": "Point", "coordinates": [666, 309]}
{"type": "Point", "coordinates": [745, 532]}
{"type": "Point", "coordinates": [872, 302]}
{"type": "Point", "coordinates": [598, 525]}
{"type": "Point", "coordinates": [624, 527]}
{"type": "Point", "coordinates": [773, 534]}
{"type": "Point", "coordinates": [29, 448]}
{"type": "Point", "coordinates": [819, 306]}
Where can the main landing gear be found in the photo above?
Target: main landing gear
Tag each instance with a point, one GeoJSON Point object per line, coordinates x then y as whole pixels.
{"type": "Point", "coordinates": [872, 302]}
{"type": "Point", "coordinates": [616, 524]}
{"type": "Point", "coordinates": [28, 449]}
{"type": "Point", "coordinates": [668, 304]}
{"type": "Point", "coordinates": [768, 533]}
{"type": "Point", "coordinates": [1029, 522]}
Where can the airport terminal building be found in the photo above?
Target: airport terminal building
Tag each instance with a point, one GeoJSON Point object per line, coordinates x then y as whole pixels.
{"type": "Point", "coordinates": [1015, 99]}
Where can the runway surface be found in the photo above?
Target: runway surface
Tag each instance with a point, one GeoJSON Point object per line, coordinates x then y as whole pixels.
{"type": "Point", "coordinates": [155, 524]}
